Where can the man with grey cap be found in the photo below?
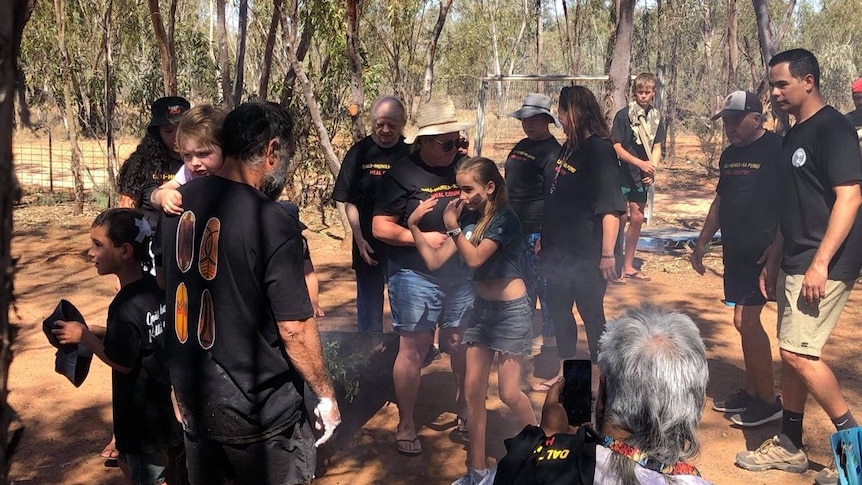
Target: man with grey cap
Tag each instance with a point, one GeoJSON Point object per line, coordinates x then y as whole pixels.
{"type": "Point", "coordinates": [746, 209]}
{"type": "Point", "coordinates": [529, 171]}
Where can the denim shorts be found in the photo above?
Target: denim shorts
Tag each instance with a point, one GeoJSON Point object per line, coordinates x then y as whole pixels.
{"type": "Point", "coordinates": [419, 303]}
{"type": "Point", "coordinates": [146, 468]}
{"type": "Point", "coordinates": [503, 326]}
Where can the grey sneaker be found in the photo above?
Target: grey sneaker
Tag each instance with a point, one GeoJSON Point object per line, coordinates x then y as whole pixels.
{"type": "Point", "coordinates": [758, 412]}
{"type": "Point", "coordinates": [736, 404]}
{"type": "Point", "coordinates": [771, 455]}
{"type": "Point", "coordinates": [828, 475]}
{"type": "Point", "coordinates": [473, 477]}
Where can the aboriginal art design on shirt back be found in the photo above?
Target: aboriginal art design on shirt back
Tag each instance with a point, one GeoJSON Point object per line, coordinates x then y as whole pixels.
{"type": "Point", "coordinates": [206, 322]}
{"type": "Point", "coordinates": [181, 313]}
{"type": "Point", "coordinates": [186, 241]}
{"type": "Point", "coordinates": [208, 258]}
{"type": "Point", "coordinates": [207, 267]}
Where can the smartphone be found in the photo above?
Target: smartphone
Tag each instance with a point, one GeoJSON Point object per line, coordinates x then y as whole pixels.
{"type": "Point", "coordinates": [576, 393]}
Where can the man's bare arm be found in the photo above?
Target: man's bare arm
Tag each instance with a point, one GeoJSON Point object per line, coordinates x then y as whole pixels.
{"type": "Point", "coordinates": [848, 198]}
{"type": "Point", "coordinates": [301, 339]}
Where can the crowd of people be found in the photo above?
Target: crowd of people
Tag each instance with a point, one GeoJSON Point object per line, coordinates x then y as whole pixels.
{"type": "Point", "coordinates": [211, 353]}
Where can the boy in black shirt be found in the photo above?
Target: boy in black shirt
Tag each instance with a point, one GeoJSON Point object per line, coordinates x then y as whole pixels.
{"type": "Point", "coordinates": [148, 435]}
{"type": "Point", "coordinates": [637, 134]}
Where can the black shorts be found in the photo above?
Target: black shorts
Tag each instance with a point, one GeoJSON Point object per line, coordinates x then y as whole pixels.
{"type": "Point", "coordinates": [287, 458]}
{"type": "Point", "coordinates": [741, 284]}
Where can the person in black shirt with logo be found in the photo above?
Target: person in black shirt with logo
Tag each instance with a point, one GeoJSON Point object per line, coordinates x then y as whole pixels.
{"type": "Point", "coordinates": [746, 209]}
{"type": "Point", "coordinates": [581, 222]}
{"type": "Point", "coordinates": [818, 253]}
{"type": "Point", "coordinates": [422, 299]}
{"type": "Point", "coordinates": [357, 186]}
{"type": "Point", "coordinates": [529, 171]}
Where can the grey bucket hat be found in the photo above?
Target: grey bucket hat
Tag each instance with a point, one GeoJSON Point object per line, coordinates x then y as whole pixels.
{"type": "Point", "coordinates": [536, 104]}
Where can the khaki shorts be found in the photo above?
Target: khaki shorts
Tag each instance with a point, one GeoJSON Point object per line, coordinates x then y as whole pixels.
{"type": "Point", "coordinates": [802, 328]}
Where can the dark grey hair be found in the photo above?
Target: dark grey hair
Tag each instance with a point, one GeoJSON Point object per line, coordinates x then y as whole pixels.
{"type": "Point", "coordinates": [390, 100]}
{"type": "Point", "coordinates": [654, 365]}
{"type": "Point", "coordinates": [249, 129]}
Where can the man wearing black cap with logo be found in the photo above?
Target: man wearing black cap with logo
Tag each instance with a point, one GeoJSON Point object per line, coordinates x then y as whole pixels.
{"type": "Point", "coordinates": [746, 209]}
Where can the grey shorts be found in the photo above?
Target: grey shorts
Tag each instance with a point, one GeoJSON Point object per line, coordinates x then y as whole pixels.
{"type": "Point", "coordinates": [503, 326]}
{"type": "Point", "coordinates": [803, 328]}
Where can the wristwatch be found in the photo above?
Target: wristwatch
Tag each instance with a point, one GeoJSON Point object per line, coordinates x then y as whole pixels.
{"type": "Point", "coordinates": [453, 232]}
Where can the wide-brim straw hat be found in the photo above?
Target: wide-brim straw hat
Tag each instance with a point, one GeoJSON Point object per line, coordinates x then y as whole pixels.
{"type": "Point", "coordinates": [438, 117]}
{"type": "Point", "coordinates": [535, 104]}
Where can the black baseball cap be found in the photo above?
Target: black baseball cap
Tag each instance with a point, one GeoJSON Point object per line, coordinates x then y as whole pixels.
{"type": "Point", "coordinates": [168, 110]}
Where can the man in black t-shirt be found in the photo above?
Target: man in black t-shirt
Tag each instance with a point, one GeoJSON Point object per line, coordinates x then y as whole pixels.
{"type": "Point", "coordinates": [746, 210]}
{"type": "Point", "coordinates": [357, 186]}
{"type": "Point", "coordinates": [818, 250]}
{"type": "Point", "coordinates": [241, 340]}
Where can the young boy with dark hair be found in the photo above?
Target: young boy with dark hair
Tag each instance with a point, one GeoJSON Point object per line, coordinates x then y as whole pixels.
{"type": "Point", "coordinates": [148, 436]}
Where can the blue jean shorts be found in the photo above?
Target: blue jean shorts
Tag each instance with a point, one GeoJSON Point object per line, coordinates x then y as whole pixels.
{"type": "Point", "coordinates": [147, 468]}
{"type": "Point", "coordinates": [503, 326]}
{"type": "Point", "coordinates": [419, 303]}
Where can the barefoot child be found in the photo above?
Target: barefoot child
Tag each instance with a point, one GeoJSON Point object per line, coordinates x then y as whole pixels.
{"type": "Point", "coordinates": [199, 142]}
{"type": "Point", "coordinates": [491, 245]}
{"type": "Point", "coordinates": [148, 436]}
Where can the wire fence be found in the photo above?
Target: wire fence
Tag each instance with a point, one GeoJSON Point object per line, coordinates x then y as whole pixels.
{"type": "Point", "coordinates": [46, 163]}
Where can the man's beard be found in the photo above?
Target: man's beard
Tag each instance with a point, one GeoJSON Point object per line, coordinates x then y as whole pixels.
{"type": "Point", "coordinates": [275, 180]}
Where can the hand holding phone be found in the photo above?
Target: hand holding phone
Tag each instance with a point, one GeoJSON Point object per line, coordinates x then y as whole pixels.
{"type": "Point", "coordinates": [576, 395]}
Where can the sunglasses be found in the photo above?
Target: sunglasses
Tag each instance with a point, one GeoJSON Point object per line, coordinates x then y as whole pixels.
{"type": "Point", "coordinates": [447, 146]}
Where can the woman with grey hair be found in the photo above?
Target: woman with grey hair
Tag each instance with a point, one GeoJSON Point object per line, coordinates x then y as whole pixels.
{"type": "Point", "coordinates": [650, 400]}
{"type": "Point", "coordinates": [653, 386]}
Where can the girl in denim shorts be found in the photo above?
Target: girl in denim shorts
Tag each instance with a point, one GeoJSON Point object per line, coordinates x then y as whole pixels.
{"type": "Point", "coordinates": [488, 238]}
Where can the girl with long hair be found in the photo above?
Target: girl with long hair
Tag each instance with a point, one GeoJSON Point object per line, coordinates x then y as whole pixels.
{"type": "Point", "coordinates": [488, 239]}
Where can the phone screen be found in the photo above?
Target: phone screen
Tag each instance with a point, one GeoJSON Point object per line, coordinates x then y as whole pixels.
{"type": "Point", "coordinates": [576, 393]}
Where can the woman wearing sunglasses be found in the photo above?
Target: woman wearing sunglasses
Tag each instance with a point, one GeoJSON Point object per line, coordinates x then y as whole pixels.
{"type": "Point", "coordinates": [581, 222]}
{"type": "Point", "coordinates": [421, 299]}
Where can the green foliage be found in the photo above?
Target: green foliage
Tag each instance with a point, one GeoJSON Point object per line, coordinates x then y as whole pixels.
{"type": "Point", "coordinates": [345, 370]}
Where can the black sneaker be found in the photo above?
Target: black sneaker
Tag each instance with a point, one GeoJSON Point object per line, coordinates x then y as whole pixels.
{"type": "Point", "coordinates": [758, 412]}
{"type": "Point", "coordinates": [736, 404]}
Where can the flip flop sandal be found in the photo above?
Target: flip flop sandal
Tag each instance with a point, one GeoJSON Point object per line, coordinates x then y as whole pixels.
{"type": "Point", "coordinates": [412, 447]}
{"type": "Point", "coordinates": [638, 276]}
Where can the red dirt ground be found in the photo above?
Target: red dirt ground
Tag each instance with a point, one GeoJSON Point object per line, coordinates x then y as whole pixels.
{"type": "Point", "coordinates": [67, 427]}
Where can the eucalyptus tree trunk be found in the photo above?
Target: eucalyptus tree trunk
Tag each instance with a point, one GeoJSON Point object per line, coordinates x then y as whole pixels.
{"type": "Point", "coordinates": [620, 64]}
{"type": "Point", "coordinates": [266, 65]}
{"type": "Point", "coordinates": [769, 42]}
{"type": "Point", "coordinates": [110, 101]}
{"type": "Point", "coordinates": [70, 117]}
{"type": "Point", "coordinates": [431, 51]}
{"type": "Point", "coordinates": [164, 34]}
{"type": "Point", "coordinates": [240, 52]}
{"type": "Point", "coordinates": [223, 61]}
{"type": "Point", "coordinates": [289, 39]}
{"type": "Point", "coordinates": [13, 16]}
{"type": "Point", "coordinates": [732, 46]}
{"type": "Point", "coordinates": [357, 94]}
